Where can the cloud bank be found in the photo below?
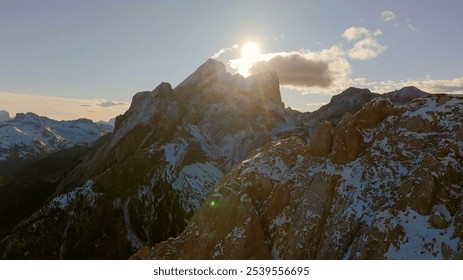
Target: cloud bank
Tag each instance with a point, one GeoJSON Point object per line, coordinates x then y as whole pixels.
{"type": "Point", "coordinates": [326, 70]}
{"type": "Point", "coordinates": [451, 86]}
{"type": "Point", "coordinates": [60, 108]}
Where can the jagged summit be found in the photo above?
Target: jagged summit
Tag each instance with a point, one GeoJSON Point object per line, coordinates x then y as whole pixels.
{"type": "Point", "coordinates": [210, 71]}
{"type": "Point", "coordinates": [212, 78]}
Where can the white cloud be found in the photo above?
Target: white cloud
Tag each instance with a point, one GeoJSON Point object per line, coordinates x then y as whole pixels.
{"type": "Point", "coordinates": [388, 15]}
{"type": "Point", "coordinates": [377, 32]}
{"type": "Point", "coordinates": [60, 108]}
{"type": "Point", "coordinates": [220, 52]}
{"type": "Point", "coordinates": [454, 86]}
{"type": "Point", "coordinates": [355, 33]}
{"type": "Point", "coordinates": [366, 49]}
{"type": "Point", "coordinates": [324, 71]}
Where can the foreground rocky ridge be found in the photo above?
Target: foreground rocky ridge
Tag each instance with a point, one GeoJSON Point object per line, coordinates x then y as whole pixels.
{"type": "Point", "coordinates": [385, 183]}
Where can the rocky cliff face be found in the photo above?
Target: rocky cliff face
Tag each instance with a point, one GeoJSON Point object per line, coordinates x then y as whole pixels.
{"type": "Point", "coordinates": [165, 155]}
{"type": "Point", "coordinates": [384, 183]}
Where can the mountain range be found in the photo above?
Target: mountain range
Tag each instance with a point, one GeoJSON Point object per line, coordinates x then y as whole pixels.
{"type": "Point", "coordinates": [218, 168]}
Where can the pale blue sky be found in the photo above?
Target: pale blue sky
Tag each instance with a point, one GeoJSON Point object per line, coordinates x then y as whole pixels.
{"type": "Point", "coordinates": [111, 49]}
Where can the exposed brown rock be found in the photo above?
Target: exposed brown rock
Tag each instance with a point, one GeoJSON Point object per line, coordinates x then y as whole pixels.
{"type": "Point", "coordinates": [347, 141]}
{"type": "Point", "coordinates": [322, 141]}
{"type": "Point", "coordinates": [374, 113]}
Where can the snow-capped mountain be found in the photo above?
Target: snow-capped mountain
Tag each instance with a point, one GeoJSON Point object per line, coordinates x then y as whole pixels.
{"type": "Point", "coordinates": [28, 135]}
{"type": "Point", "coordinates": [220, 164]}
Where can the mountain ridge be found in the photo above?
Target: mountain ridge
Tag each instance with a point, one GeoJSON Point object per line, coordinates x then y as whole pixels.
{"type": "Point", "coordinates": [30, 135]}
{"type": "Point", "coordinates": [220, 136]}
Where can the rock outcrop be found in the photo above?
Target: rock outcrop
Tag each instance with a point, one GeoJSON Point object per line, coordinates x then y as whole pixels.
{"type": "Point", "coordinates": [389, 188]}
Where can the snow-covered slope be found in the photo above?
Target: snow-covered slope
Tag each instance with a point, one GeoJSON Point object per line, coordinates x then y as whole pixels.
{"type": "Point", "coordinates": [28, 135]}
{"type": "Point", "coordinates": [389, 186]}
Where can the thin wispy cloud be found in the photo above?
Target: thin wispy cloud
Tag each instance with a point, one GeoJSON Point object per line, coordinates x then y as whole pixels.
{"type": "Point", "coordinates": [410, 25]}
{"type": "Point", "coordinates": [388, 16]}
{"type": "Point", "coordinates": [279, 37]}
{"type": "Point", "coordinates": [222, 51]}
{"type": "Point", "coordinates": [112, 104]}
{"type": "Point", "coordinates": [60, 108]}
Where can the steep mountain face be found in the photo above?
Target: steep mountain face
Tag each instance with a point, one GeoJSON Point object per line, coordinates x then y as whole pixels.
{"type": "Point", "coordinates": [29, 135]}
{"type": "Point", "coordinates": [384, 183]}
{"type": "Point", "coordinates": [165, 155]}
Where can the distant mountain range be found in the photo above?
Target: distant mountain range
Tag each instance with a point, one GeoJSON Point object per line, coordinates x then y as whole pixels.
{"type": "Point", "coordinates": [29, 135]}
{"type": "Point", "coordinates": [222, 166]}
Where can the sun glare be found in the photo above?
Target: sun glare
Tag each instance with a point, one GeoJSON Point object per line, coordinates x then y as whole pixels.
{"type": "Point", "coordinates": [250, 50]}
{"type": "Point", "coordinates": [250, 53]}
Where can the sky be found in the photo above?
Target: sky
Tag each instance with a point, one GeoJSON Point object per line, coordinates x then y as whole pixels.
{"type": "Point", "coordinates": [103, 52]}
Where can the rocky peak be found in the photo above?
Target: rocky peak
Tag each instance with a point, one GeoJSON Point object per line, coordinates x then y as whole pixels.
{"type": "Point", "coordinates": [353, 96]}
{"type": "Point", "coordinates": [349, 101]}
{"type": "Point", "coordinates": [212, 79]}
{"type": "Point", "coordinates": [209, 72]}
{"type": "Point", "coordinates": [27, 116]}
{"type": "Point", "coordinates": [148, 96]}
{"type": "Point", "coordinates": [264, 85]}
{"type": "Point", "coordinates": [404, 95]}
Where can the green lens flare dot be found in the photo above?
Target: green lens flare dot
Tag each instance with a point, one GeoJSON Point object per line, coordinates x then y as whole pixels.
{"type": "Point", "coordinates": [212, 203]}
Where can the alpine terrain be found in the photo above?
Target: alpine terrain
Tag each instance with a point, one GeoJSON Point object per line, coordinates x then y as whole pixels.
{"type": "Point", "coordinates": [36, 153]}
{"type": "Point", "coordinates": [218, 168]}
